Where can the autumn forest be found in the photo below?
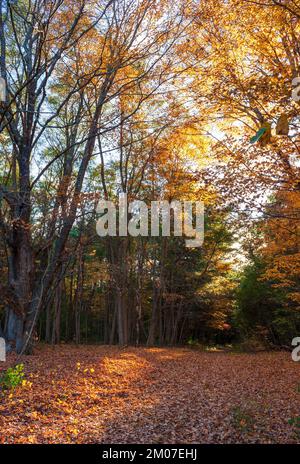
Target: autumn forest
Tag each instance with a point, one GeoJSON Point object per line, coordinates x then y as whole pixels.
{"type": "Point", "coordinates": [112, 338]}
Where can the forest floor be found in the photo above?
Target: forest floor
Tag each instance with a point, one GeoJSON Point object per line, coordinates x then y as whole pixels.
{"type": "Point", "coordinates": [100, 394]}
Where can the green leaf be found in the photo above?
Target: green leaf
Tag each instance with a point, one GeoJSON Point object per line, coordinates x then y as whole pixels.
{"type": "Point", "coordinates": [258, 135]}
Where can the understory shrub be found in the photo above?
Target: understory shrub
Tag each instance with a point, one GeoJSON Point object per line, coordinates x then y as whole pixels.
{"type": "Point", "coordinates": [12, 377]}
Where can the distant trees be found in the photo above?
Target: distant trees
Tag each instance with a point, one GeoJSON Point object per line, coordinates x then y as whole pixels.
{"type": "Point", "coordinates": [263, 311]}
{"type": "Point", "coordinates": [269, 293]}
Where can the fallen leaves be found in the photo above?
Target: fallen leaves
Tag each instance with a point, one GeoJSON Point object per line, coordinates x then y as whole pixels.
{"type": "Point", "coordinates": [106, 395]}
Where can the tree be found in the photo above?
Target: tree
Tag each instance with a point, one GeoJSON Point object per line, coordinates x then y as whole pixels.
{"type": "Point", "coordinates": [57, 85]}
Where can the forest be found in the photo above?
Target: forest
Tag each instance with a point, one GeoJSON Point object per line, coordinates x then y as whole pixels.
{"type": "Point", "coordinates": [164, 101]}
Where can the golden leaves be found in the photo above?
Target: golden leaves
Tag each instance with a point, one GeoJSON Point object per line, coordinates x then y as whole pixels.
{"type": "Point", "coordinates": [282, 245]}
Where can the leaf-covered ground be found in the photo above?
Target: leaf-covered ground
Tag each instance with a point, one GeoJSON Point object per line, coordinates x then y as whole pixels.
{"type": "Point", "coordinates": [107, 395]}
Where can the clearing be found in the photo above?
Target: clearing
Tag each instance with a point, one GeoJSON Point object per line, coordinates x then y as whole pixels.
{"type": "Point", "coordinates": [101, 394]}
